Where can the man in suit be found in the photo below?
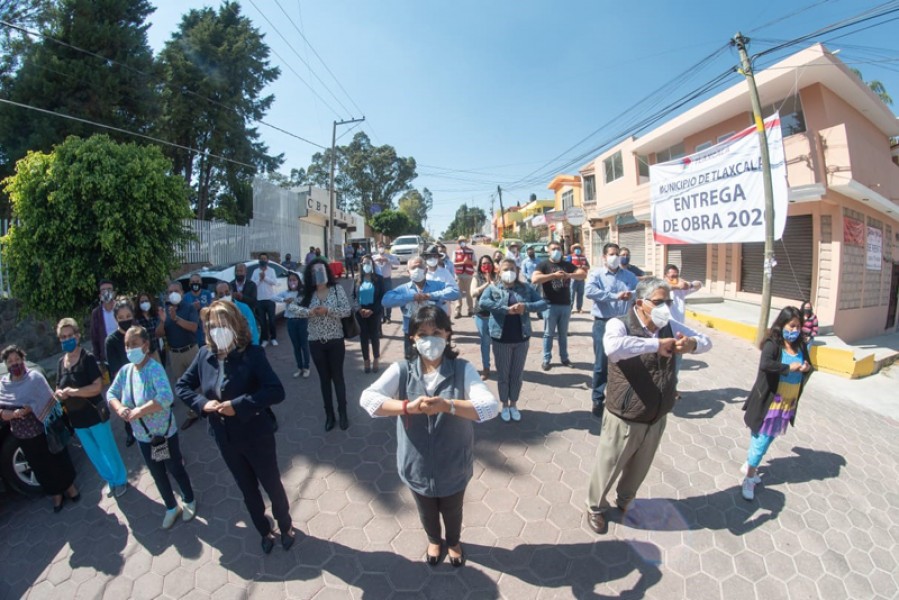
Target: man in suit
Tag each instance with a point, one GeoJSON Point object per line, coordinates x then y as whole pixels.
{"type": "Point", "coordinates": [242, 288]}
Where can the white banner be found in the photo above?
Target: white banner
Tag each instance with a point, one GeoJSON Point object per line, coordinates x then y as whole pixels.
{"type": "Point", "coordinates": [717, 196]}
{"type": "Point", "coordinates": [874, 255]}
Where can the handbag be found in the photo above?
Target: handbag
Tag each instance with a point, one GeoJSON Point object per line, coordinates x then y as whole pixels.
{"type": "Point", "coordinates": [58, 431]}
{"type": "Point", "coordinates": [102, 410]}
{"type": "Point", "coordinates": [159, 445]}
{"type": "Point", "coordinates": [350, 325]}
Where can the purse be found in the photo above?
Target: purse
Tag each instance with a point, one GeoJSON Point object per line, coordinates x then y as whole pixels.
{"type": "Point", "coordinates": [350, 325]}
{"type": "Point", "coordinates": [58, 431]}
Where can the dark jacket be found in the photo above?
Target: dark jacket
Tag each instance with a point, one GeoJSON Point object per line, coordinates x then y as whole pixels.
{"type": "Point", "coordinates": [762, 394]}
{"type": "Point", "coordinates": [249, 293]}
{"type": "Point", "coordinates": [98, 333]}
{"type": "Point", "coordinates": [642, 389]}
{"type": "Point", "coordinates": [116, 356]}
{"type": "Point", "coordinates": [250, 384]}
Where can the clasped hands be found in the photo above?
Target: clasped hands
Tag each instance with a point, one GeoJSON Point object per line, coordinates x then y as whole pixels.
{"type": "Point", "coordinates": [131, 414]}
{"type": "Point", "coordinates": [419, 297]}
{"type": "Point", "coordinates": [428, 405]}
{"type": "Point", "coordinates": [222, 408]}
{"type": "Point", "coordinates": [680, 344]}
{"type": "Point", "coordinates": [517, 309]}
{"type": "Point", "coordinates": [319, 311]}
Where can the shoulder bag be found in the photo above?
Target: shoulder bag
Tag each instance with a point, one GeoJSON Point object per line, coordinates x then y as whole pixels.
{"type": "Point", "coordinates": [350, 325]}
{"type": "Point", "coordinates": [58, 430]}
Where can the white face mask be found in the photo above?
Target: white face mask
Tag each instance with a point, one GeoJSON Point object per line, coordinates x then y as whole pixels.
{"type": "Point", "coordinates": [367, 268]}
{"type": "Point", "coordinates": [222, 337]}
{"type": "Point", "coordinates": [430, 347]}
{"type": "Point", "coordinates": [431, 262]}
{"type": "Point", "coordinates": [509, 276]}
{"type": "Point", "coordinates": [145, 306]}
{"type": "Point", "coordinates": [417, 275]}
{"type": "Point", "coordinates": [175, 298]}
{"type": "Point", "coordinates": [613, 262]}
{"type": "Point", "coordinates": [228, 298]}
{"type": "Point", "coordinates": [660, 315]}
{"type": "Point", "coordinates": [462, 244]}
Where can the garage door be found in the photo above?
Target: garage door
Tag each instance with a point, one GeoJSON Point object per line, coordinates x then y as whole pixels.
{"type": "Point", "coordinates": [600, 239]}
{"type": "Point", "coordinates": [792, 277]}
{"type": "Point", "coordinates": [690, 259]}
{"type": "Point", "coordinates": [634, 238]}
{"type": "Point", "coordinates": [311, 235]}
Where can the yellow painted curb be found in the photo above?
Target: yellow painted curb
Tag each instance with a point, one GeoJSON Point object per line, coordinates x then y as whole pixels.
{"type": "Point", "coordinates": [837, 361]}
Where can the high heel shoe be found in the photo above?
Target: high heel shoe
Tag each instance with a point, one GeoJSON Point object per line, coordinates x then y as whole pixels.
{"type": "Point", "coordinates": [268, 542]}
{"type": "Point", "coordinates": [58, 507]}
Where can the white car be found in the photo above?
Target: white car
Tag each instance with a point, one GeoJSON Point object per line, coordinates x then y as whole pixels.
{"type": "Point", "coordinates": [212, 276]}
{"type": "Point", "coordinates": [480, 238]}
{"type": "Point", "coordinates": [407, 246]}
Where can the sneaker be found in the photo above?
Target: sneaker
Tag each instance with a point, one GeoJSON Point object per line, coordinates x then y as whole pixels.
{"type": "Point", "coordinates": [190, 511]}
{"type": "Point", "coordinates": [119, 490]}
{"type": "Point", "coordinates": [274, 342]}
{"type": "Point", "coordinates": [748, 489]}
{"type": "Point", "coordinates": [516, 415]}
{"type": "Point", "coordinates": [745, 470]}
{"type": "Point", "coordinates": [305, 373]}
{"type": "Point", "coordinates": [297, 374]}
{"type": "Point", "coordinates": [170, 516]}
{"type": "Point", "coordinates": [264, 343]}
{"type": "Point", "coordinates": [505, 415]}
{"type": "Point", "coordinates": [546, 366]}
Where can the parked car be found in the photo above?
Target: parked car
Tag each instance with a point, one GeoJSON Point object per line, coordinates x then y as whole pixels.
{"type": "Point", "coordinates": [15, 472]}
{"type": "Point", "coordinates": [407, 246]}
{"type": "Point", "coordinates": [480, 238]}
{"type": "Point", "coordinates": [212, 276]}
{"type": "Point", "coordinates": [540, 251]}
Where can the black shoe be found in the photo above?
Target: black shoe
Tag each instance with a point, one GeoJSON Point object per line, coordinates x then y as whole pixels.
{"type": "Point", "coordinates": [58, 507]}
{"type": "Point", "coordinates": [287, 539]}
{"type": "Point", "coordinates": [597, 522]}
{"type": "Point", "coordinates": [457, 562]}
{"type": "Point", "coordinates": [129, 440]}
{"type": "Point", "coordinates": [268, 542]}
{"type": "Point", "coordinates": [546, 366]}
{"type": "Point", "coordinates": [75, 498]}
{"type": "Point", "coordinates": [567, 363]}
{"type": "Point", "coordinates": [344, 422]}
{"type": "Point", "coordinates": [329, 422]}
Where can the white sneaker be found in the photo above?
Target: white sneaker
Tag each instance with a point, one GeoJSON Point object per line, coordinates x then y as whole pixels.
{"type": "Point", "coordinates": [505, 415]}
{"type": "Point", "coordinates": [170, 516]}
{"type": "Point", "coordinates": [297, 374]}
{"type": "Point", "coordinates": [748, 489]}
{"type": "Point", "coordinates": [190, 511]}
{"type": "Point", "coordinates": [274, 342]}
{"type": "Point", "coordinates": [264, 343]}
{"type": "Point", "coordinates": [745, 470]}
{"type": "Point", "coordinates": [516, 416]}
{"type": "Point", "coordinates": [305, 373]}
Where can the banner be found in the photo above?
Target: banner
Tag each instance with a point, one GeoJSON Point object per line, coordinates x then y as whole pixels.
{"type": "Point", "coordinates": [717, 196]}
{"type": "Point", "coordinates": [874, 255]}
{"type": "Point", "coordinates": [853, 231]}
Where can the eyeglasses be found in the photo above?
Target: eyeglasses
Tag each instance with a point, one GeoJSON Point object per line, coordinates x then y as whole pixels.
{"type": "Point", "coordinates": [667, 301]}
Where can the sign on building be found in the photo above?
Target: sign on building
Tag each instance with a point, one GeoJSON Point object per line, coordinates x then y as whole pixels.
{"type": "Point", "coordinates": [874, 255]}
{"type": "Point", "coordinates": [717, 196]}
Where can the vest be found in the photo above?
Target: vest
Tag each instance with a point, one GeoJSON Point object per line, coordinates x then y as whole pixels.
{"type": "Point", "coordinates": [434, 452]}
{"type": "Point", "coordinates": [641, 389]}
{"type": "Point", "coordinates": [579, 261]}
{"type": "Point", "coordinates": [460, 255]}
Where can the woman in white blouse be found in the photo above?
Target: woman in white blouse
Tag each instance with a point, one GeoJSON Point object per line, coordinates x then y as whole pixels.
{"type": "Point", "coordinates": [324, 304]}
{"type": "Point", "coordinates": [437, 396]}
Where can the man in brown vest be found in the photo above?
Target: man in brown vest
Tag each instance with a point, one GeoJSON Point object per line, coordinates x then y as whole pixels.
{"type": "Point", "coordinates": [641, 347]}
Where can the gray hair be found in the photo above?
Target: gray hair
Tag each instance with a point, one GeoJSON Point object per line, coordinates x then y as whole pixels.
{"type": "Point", "coordinates": [647, 286]}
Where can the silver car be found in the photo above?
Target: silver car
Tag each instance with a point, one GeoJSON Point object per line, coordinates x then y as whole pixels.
{"type": "Point", "coordinates": [212, 276]}
{"type": "Point", "coordinates": [407, 246]}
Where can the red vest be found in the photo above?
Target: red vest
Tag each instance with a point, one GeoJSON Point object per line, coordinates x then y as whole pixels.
{"type": "Point", "coordinates": [460, 256]}
{"type": "Point", "coordinates": [579, 261]}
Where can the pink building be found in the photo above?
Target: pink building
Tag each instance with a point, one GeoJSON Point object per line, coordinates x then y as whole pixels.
{"type": "Point", "coordinates": [843, 196]}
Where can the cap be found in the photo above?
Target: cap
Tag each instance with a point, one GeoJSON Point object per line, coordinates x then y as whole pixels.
{"type": "Point", "coordinates": [431, 251]}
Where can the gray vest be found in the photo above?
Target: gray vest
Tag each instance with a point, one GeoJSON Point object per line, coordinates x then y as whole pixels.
{"type": "Point", "coordinates": [434, 452]}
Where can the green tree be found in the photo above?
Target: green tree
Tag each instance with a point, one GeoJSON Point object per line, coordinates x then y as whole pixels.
{"type": "Point", "coordinates": [365, 175]}
{"type": "Point", "coordinates": [27, 14]}
{"type": "Point", "coordinates": [468, 221]}
{"type": "Point", "coordinates": [416, 206]}
{"type": "Point", "coordinates": [877, 87]}
{"type": "Point", "coordinates": [224, 60]}
{"type": "Point", "coordinates": [87, 210]}
{"type": "Point", "coordinates": [393, 223]}
{"type": "Point", "coordinates": [59, 78]}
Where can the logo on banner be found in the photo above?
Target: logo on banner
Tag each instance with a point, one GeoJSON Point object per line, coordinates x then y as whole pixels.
{"type": "Point", "coordinates": [717, 196]}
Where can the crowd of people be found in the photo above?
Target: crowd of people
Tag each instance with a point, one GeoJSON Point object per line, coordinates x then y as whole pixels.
{"type": "Point", "coordinates": [212, 344]}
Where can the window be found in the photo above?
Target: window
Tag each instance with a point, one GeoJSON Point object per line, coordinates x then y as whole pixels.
{"type": "Point", "coordinates": [643, 168]}
{"type": "Point", "coordinates": [567, 199]}
{"type": "Point", "coordinates": [721, 138]}
{"type": "Point", "coordinates": [672, 153]}
{"type": "Point", "coordinates": [589, 189]}
{"type": "Point", "coordinates": [792, 121]}
{"type": "Point", "coordinates": [703, 146]}
{"type": "Point", "coordinates": [614, 169]}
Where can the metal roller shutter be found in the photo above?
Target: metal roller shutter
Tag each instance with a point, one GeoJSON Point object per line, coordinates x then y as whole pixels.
{"type": "Point", "coordinates": [600, 239]}
{"type": "Point", "coordinates": [634, 238]}
{"type": "Point", "coordinates": [792, 277]}
{"type": "Point", "coordinates": [690, 259]}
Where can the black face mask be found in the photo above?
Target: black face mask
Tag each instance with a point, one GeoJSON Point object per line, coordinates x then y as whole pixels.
{"type": "Point", "coordinates": [240, 278]}
{"type": "Point", "coordinates": [126, 324]}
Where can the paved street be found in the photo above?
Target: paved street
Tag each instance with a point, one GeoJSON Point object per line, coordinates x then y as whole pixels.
{"type": "Point", "coordinates": [824, 524]}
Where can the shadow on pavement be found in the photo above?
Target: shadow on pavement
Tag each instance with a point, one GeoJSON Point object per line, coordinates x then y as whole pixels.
{"type": "Point", "coordinates": [691, 364]}
{"type": "Point", "coordinates": [707, 403]}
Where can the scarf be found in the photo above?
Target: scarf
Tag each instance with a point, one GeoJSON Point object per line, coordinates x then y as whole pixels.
{"type": "Point", "coordinates": [32, 391]}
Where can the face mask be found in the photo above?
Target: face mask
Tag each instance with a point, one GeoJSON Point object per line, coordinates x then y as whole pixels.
{"type": "Point", "coordinates": [222, 337]}
{"type": "Point", "coordinates": [381, 250]}
{"type": "Point", "coordinates": [240, 278]}
{"type": "Point", "coordinates": [660, 315]}
{"type": "Point", "coordinates": [107, 295]}
{"type": "Point", "coordinates": [430, 347]}
{"type": "Point", "coordinates": [135, 355]}
{"type": "Point", "coordinates": [613, 262]}
{"type": "Point", "coordinates": [486, 268]}
{"type": "Point", "coordinates": [263, 263]}
{"type": "Point", "coordinates": [145, 306]}
{"type": "Point", "coordinates": [17, 370]}
{"type": "Point", "coordinates": [293, 285]}
{"type": "Point", "coordinates": [417, 275]}
{"type": "Point", "coordinates": [366, 268]}
{"type": "Point", "coordinates": [431, 262]}
{"type": "Point", "coordinates": [672, 280]}
{"type": "Point", "coordinates": [227, 299]}
{"type": "Point", "coordinates": [577, 252]}
{"type": "Point", "coordinates": [791, 336]}
{"type": "Point", "coordinates": [195, 287]}
{"type": "Point", "coordinates": [175, 298]}
{"type": "Point", "coordinates": [625, 260]}
{"type": "Point", "coordinates": [807, 312]}
{"type": "Point", "coordinates": [319, 276]}
{"type": "Point", "coordinates": [531, 255]}
{"type": "Point", "coordinates": [69, 345]}
{"type": "Point", "coordinates": [126, 324]}
{"type": "Point", "coordinates": [462, 244]}
{"type": "Point", "coordinates": [509, 276]}
{"type": "Point", "coordinates": [556, 255]}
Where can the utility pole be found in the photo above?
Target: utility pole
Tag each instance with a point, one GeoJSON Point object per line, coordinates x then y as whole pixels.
{"type": "Point", "coordinates": [502, 213]}
{"type": "Point", "coordinates": [740, 42]}
{"type": "Point", "coordinates": [332, 194]}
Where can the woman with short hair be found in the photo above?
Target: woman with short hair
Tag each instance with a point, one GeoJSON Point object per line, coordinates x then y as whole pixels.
{"type": "Point", "coordinates": [484, 277]}
{"type": "Point", "coordinates": [116, 356]}
{"type": "Point", "coordinates": [368, 292]}
{"type": "Point", "coordinates": [297, 328]}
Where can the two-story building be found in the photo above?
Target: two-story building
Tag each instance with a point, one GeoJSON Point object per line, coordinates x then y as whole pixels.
{"type": "Point", "coordinates": [840, 248]}
{"type": "Point", "coordinates": [568, 194]}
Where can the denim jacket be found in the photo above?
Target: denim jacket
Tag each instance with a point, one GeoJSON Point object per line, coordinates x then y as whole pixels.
{"type": "Point", "coordinates": [404, 296]}
{"type": "Point", "coordinates": [495, 299]}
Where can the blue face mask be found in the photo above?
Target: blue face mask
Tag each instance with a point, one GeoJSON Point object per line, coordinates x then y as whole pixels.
{"type": "Point", "coordinates": [791, 336]}
{"type": "Point", "coordinates": [135, 355]}
{"type": "Point", "coordinates": [556, 255]}
{"type": "Point", "coordinates": [69, 345]}
{"type": "Point", "coordinates": [625, 260]}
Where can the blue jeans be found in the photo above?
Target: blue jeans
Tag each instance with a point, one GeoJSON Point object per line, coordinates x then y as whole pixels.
{"type": "Point", "coordinates": [388, 285]}
{"type": "Point", "coordinates": [298, 332]}
{"type": "Point", "coordinates": [758, 446]}
{"type": "Point", "coordinates": [557, 317]}
{"type": "Point", "coordinates": [99, 445]}
{"type": "Point", "coordinates": [483, 325]}
{"type": "Point", "coordinates": [600, 364]}
{"type": "Point", "coordinates": [577, 292]}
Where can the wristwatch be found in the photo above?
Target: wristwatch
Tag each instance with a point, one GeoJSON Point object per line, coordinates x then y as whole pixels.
{"type": "Point", "coordinates": [452, 406]}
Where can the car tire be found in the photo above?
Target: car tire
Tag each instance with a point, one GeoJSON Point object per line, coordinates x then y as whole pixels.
{"type": "Point", "coordinates": [15, 470]}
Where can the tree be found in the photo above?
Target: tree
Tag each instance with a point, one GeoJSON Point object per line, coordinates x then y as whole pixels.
{"type": "Point", "coordinates": [224, 60]}
{"type": "Point", "coordinates": [877, 87]}
{"type": "Point", "coordinates": [468, 220]}
{"type": "Point", "coordinates": [416, 206]}
{"type": "Point", "coordinates": [61, 79]}
{"type": "Point", "coordinates": [27, 14]}
{"type": "Point", "coordinates": [297, 178]}
{"type": "Point", "coordinates": [92, 209]}
{"type": "Point", "coordinates": [393, 223]}
{"type": "Point", "coordinates": [365, 175]}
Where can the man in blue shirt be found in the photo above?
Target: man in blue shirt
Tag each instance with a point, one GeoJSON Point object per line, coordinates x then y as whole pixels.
{"type": "Point", "coordinates": [180, 320]}
{"type": "Point", "coordinates": [223, 292]}
{"type": "Point", "coordinates": [417, 293]}
{"type": "Point", "coordinates": [200, 299]}
{"type": "Point", "coordinates": [611, 289]}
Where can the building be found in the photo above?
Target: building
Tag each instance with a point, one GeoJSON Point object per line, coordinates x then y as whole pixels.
{"type": "Point", "coordinates": [530, 217]}
{"type": "Point", "coordinates": [568, 194]}
{"type": "Point", "coordinates": [315, 207]}
{"type": "Point", "coordinates": [840, 248]}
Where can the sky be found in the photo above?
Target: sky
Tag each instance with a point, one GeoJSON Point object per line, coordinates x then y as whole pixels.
{"type": "Point", "coordinates": [487, 93]}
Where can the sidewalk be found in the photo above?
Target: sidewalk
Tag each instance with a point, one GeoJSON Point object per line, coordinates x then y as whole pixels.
{"type": "Point", "coordinates": [824, 523]}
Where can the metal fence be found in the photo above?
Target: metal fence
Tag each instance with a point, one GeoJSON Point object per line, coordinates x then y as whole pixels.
{"type": "Point", "coordinates": [222, 243]}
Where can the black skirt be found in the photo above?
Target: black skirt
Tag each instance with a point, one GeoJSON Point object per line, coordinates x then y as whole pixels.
{"type": "Point", "coordinates": [54, 472]}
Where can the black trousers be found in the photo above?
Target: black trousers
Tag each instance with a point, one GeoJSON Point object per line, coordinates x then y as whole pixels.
{"type": "Point", "coordinates": [254, 462]}
{"type": "Point", "coordinates": [328, 359]}
{"type": "Point", "coordinates": [160, 472]}
{"type": "Point", "coordinates": [429, 511]}
{"type": "Point", "coordinates": [265, 313]}
{"type": "Point", "coordinates": [370, 334]}
{"type": "Point", "coordinates": [54, 472]}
